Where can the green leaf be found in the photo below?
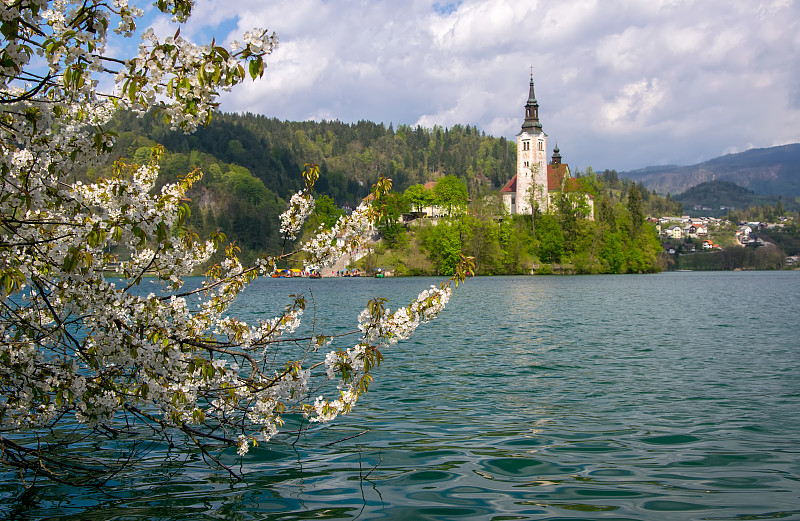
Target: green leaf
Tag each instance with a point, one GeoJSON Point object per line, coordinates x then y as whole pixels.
{"type": "Point", "coordinates": [222, 51]}
{"type": "Point", "coordinates": [132, 87]}
{"type": "Point", "coordinates": [256, 67]}
{"type": "Point", "coordinates": [138, 232]}
{"type": "Point", "coordinates": [162, 232]}
{"type": "Point", "coordinates": [70, 261]}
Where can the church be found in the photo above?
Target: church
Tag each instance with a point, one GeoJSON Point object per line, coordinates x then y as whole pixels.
{"type": "Point", "coordinates": [536, 181]}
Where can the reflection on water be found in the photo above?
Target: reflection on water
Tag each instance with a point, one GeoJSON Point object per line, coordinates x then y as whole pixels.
{"type": "Point", "coordinates": [672, 396]}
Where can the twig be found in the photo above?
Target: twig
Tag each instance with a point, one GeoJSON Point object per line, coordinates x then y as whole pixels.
{"type": "Point", "coordinates": [347, 438]}
{"type": "Point", "coordinates": [380, 459]}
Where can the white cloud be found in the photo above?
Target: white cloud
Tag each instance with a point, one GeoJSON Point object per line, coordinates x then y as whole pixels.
{"type": "Point", "coordinates": [632, 106]}
{"type": "Point", "coordinates": [477, 26]}
{"type": "Point", "coordinates": [621, 83]}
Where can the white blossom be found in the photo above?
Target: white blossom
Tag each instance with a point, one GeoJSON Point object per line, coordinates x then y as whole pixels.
{"type": "Point", "coordinates": [300, 207]}
{"type": "Point", "coordinates": [78, 343]}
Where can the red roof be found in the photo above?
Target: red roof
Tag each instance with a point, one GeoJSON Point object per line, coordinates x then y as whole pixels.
{"type": "Point", "coordinates": [510, 186]}
{"type": "Point", "coordinates": [555, 176]}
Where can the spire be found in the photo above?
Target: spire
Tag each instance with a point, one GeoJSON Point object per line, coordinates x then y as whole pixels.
{"type": "Point", "coordinates": [532, 123]}
{"type": "Point", "coordinates": [556, 156]}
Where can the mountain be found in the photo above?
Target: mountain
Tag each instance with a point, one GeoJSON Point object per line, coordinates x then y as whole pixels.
{"type": "Point", "coordinates": [765, 171]}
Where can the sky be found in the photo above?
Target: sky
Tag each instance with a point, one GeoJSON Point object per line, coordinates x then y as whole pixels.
{"type": "Point", "coordinates": [621, 84]}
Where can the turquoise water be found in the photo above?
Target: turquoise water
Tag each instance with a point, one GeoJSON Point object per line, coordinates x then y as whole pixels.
{"type": "Point", "coordinates": [653, 397]}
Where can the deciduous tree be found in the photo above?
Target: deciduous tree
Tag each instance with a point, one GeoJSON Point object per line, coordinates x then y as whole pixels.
{"type": "Point", "coordinates": [418, 197]}
{"type": "Point", "coordinates": [85, 351]}
{"type": "Point", "coordinates": [451, 193]}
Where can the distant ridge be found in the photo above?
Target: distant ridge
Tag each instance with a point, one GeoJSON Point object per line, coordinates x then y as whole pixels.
{"type": "Point", "coordinates": [765, 171]}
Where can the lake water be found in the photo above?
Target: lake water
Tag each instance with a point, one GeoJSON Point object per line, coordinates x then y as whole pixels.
{"type": "Point", "coordinates": [652, 397]}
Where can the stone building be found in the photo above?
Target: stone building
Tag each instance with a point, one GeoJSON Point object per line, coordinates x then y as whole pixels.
{"type": "Point", "coordinates": [536, 181]}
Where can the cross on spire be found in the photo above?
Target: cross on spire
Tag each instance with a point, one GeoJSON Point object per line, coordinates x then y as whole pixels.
{"type": "Point", "coordinates": [532, 123]}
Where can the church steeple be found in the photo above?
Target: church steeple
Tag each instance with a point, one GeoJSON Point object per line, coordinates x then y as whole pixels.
{"type": "Point", "coordinates": [556, 156]}
{"type": "Point", "coordinates": [532, 123]}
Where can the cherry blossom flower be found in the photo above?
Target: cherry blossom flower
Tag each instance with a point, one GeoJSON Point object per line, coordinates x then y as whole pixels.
{"type": "Point", "coordinates": [81, 341]}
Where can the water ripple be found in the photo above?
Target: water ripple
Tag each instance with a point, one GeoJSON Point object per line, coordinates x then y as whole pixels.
{"type": "Point", "coordinates": [668, 397]}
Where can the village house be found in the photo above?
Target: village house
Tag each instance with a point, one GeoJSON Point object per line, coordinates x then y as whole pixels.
{"type": "Point", "coordinates": [674, 232]}
{"type": "Point", "coordinates": [432, 210]}
{"type": "Point", "coordinates": [743, 233]}
{"type": "Point", "coordinates": [693, 230]}
{"type": "Point", "coordinates": [536, 182]}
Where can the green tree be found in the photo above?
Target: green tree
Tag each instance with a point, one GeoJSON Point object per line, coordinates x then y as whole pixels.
{"type": "Point", "coordinates": [451, 194]}
{"type": "Point", "coordinates": [326, 213]}
{"type": "Point", "coordinates": [634, 205]}
{"type": "Point", "coordinates": [418, 197]}
{"type": "Point", "coordinates": [605, 212]}
{"type": "Point", "coordinates": [612, 254]}
{"type": "Point", "coordinates": [392, 206]}
{"type": "Point", "coordinates": [251, 189]}
{"type": "Point", "coordinates": [443, 246]}
{"type": "Point", "coordinates": [571, 209]}
{"type": "Point", "coordinates": [481, 242]}
{"type": "Point", "coordinates": [515, 241]}
{"type": "Point", "coordinates": [551, 239]}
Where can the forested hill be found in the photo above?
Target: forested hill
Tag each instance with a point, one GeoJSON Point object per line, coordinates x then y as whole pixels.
{"type": "Point", "coordinates": [252, 165]}
{"type": "Point", "coordinates": [351, 155]}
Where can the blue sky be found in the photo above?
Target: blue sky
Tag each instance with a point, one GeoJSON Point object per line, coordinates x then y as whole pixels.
{"type": "Point", "coordinates": [620, 84]}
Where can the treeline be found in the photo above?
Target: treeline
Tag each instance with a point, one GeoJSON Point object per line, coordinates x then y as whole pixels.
{"type": "Point", "coordinates": [351, 155]}
{"type": "Point", "coordinates": [618, 240]}
{"type": "Point", "coordinates": [252, 165]}
{"type": "Point", "coordinates": [765, 213]}
{"type": "Point", "coordinates": [609, 182]}
{"type": "Point", "coordinates": [769, 257]}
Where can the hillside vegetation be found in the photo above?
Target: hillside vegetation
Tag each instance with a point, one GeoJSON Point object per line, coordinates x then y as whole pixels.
{"type": "Point", "coordinates": [350, 155]}
{"type": "Point", "coordinates": [251, 167]}
{"type": "Point", "coordinates": [252, 163]}
{"type": "Point", "coordinates": [718, 198]}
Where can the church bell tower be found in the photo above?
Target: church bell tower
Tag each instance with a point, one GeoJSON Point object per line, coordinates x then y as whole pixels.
{"type": "Point", "coordinates": [531, 159]}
